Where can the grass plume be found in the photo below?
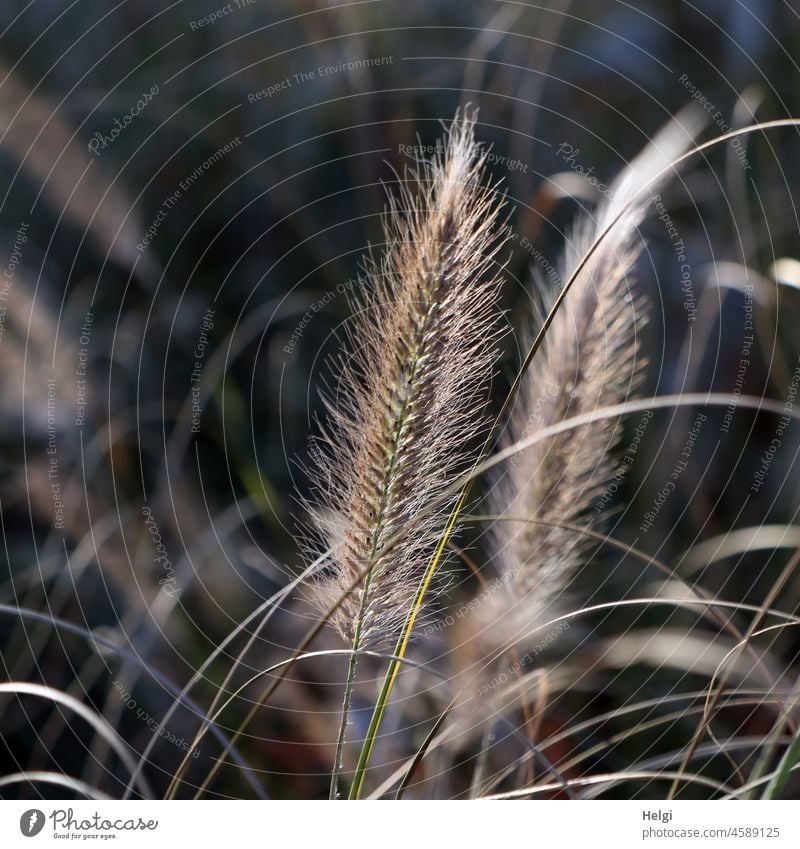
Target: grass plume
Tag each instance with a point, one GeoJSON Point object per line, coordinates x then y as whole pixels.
{"type": "Point", "coordinates": [411, 395]}
{"type": "Point", "coordinates": [588, 360]}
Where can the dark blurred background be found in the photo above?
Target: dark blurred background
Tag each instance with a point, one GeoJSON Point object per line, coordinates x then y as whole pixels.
{"type": "Point", "coordinates": [188, 191]}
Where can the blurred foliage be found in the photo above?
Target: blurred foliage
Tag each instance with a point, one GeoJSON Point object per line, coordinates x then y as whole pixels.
{"type": "Point", "coordinates": [270, 236]}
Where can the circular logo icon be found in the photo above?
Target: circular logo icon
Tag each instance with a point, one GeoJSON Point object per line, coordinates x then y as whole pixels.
{"type": "Point", "coordinates": [31, 822]}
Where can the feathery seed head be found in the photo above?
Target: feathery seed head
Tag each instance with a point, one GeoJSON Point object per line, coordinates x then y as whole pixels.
{"type": "Point", "coordinates": [412, 393]}
{"type": "Point", "coordinates": [588, 360]}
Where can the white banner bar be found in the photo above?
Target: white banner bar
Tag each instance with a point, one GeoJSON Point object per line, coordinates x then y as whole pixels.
{"type": "Point", "coordinates": [329, 825]}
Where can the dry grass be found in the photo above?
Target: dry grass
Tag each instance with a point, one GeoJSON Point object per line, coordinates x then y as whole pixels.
{"type": "Point", "coordinates": [589, 360]}
{"type": "Point", "coordinates": [674, 678]}
{"type": "Point", "coordinates": [410, 393]}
